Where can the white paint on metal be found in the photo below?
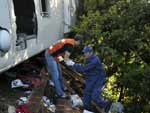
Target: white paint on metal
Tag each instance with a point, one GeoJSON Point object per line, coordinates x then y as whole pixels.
{"type": "Point", "coordinates": [50, 29]}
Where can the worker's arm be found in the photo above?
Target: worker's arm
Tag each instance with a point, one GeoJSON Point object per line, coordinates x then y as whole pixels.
{"type": "Point", "coordinates": [86, 67]}
{"type": "Point", "coordinates": [68, 49]}
{"type": "Point", "coordinates": [67, 55]}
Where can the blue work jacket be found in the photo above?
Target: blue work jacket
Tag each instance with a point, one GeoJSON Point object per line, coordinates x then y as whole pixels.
{"type": "Point", "coordinates": [92, 67]}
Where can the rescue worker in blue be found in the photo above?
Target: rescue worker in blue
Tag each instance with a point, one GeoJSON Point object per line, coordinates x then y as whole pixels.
{"type": "Point", "coordinates": [95, 78]}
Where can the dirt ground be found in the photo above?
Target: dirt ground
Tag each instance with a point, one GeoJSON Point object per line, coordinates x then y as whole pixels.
{"type": "Point", "coordinates": [8, 96]}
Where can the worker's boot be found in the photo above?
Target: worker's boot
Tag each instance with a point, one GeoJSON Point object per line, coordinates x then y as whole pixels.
{"type": "Point", "coordinates": [86, 111]}
{"type": "Point", "coordinates": [64, 96]}
{"type": "Point", "coordinates": [107, 108]}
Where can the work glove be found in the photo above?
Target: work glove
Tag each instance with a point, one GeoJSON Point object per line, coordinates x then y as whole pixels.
{"type": "Point", "coordinates": [69, 62]}
{"type": "Point", "coordinates": [60, 58]}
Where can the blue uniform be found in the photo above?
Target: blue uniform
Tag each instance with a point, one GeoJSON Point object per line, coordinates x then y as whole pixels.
{"type": "Point", "coordinates": [95, 79]}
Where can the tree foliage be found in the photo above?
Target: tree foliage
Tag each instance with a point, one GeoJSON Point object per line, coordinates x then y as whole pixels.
{"type": "Point", "coordinates": [119, 30]}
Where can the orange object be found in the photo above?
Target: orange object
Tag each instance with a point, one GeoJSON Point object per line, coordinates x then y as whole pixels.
{"type": "Point", "coordinates": [58, 45]}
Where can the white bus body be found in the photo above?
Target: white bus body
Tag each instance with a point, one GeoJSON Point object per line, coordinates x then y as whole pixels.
{"type": "Point", "coordinates": [33, 25]}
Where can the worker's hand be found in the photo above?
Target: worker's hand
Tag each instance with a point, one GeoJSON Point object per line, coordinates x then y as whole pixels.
{"type": "Point", "coordinates": [69, 62]}
{"type": "Point", "coordinates": [60, 58]}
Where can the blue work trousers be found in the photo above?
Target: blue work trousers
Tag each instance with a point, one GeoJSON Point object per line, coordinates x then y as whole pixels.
{"type": "Point", "coordinates": [54, 70]}
{"type": "Point", "coordinates": [93, 88]}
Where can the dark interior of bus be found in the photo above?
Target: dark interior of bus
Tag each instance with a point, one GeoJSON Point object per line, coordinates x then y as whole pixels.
{"type": "Point", "coordinates": [26, 20]}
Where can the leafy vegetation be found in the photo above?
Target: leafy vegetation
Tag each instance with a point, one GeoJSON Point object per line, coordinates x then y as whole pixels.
{"type": "Point", "coordinates": [119, 30]}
